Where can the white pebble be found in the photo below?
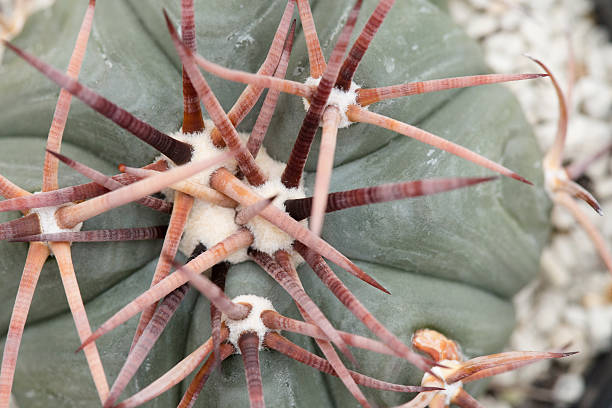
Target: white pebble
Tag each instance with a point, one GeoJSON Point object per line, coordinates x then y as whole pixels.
{"type": "Point", "coordinates": [493, 403]}
{"type": "Point", "coordinates": [549, 308]}
{"type": "Point", "coordinates": [554, 270]}
{"type": "Point", "coordinates": [480, 4]}
{"type": "Point", "coordinates": [511, 20]}
{"type": "Point", "coordinates": [607, 222]}
{"type": "Point", "coordinates": [596, 97]}
{"type": "Point", "coordinates": [506, 44]}
{"type": "Point", "coordinates": [506, 379]}
{"type": "Point", "coordinates": [562, 219]}
{"type": "Point", "coordinates": [563, 247]}
{"type": "Point", "coordinates": [575, 316]}
{"type": "Point", "coordinates": [482, 25]}
{"type": "Point", "coordinates": [568, 388]}
{"type": "Point", "coordinates": [603, 189]}
{"type": "Point", "coordinates": [527, 337]}
{"type": "Point", "coordinates": [565, 335]}
{"type": "Point", "coordinates": [532, 372]}
{"type": "Point", "coordinates": [461, 12]}
{"type": "Point", "coordinates": [600, 326]}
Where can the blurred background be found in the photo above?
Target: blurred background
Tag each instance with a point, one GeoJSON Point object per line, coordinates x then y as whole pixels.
{"type": "Point", "coordinates": [570, 305]}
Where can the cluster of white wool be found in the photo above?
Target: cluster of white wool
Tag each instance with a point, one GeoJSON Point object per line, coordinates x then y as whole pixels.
{"type": "Point", "coordinates": [450, 390]}
{"type": "Point", "coordinates": [48, 222]}
{"type": "Point", "coordinates": [338, 98]}
{"type": "Point", "coordinates": [210, 224]}
{"type": "Point", "coordinates": [252, 323]}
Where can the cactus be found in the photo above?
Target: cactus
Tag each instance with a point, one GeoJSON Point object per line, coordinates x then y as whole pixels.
{"type": "Point", "coordinates": [451, 261]}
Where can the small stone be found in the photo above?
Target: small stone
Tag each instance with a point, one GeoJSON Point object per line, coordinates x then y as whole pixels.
{"type": "Point", "coordinates": [548, 312]}
{"type": "Point", "coordinates": [499, 61]}
{"type": "Point", "coordinates": [511, 20]}
{"type": "Point", "coordinates": [532, 372]}
{"type": "Point", "coordinates": [596, 96]}
{"type": "Point", "coordinates": [480, 4]}
{"type": "Point", "coordinates": [533, 33]}
{"type": "Point", "coordinates": [493, 403]}
{"type": "Point", "coordinates": [575, 316]}
{"type": "Point", "coordinates": [603, 189]}
{"type": "Point", "coordinates": [567, 335]}
{"type": "Point", "coordinates": [523, 302]}
{"type": "Point", "coordinates": [594, 299]}
{"type": "Point", "coordinates": [579, 7]}
{"type": "Point", "coordinates": [594, 59]}
{"type": "Point", "coordinates": [542, 5]}
{"type": "Point", "coordinates": [528, 337]}
{"type": "Point", "coordinates": [461, 12]}
{"type": "Point", "coordinates": [581, 127]}
{"type": "Point", "coordinates": [600, 326]}
{"type": "Point", "coordinates": [563, 247]}
{"type": "Point", "coordinates": [482, 25]}
{"type": "Point", "coordinates": [568, 388]}
{"type": "Point", "coordinates": [606, 229]}
{"type": "Point", "coordinates": [606, 54]}
{"type": "Point", "coordinates": [585, 250]}
{"type": "Point", "coordinates": [554, 271]}
{"type": "Point", "coordinates": [597, 170]}
{"type": "Point", "coordinates": [562, 219]}
{"type": "Point", "coordinates": [507, 379]}
{"type": "Point", "coordinates": [512, 45]}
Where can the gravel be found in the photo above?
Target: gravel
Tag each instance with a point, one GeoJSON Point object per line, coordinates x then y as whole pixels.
{"type": "Point", "coordinates": [570, 305]}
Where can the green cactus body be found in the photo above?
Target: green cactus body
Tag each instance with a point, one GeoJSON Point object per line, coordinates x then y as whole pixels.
{"type": "Point", "coordinates": [452, 261]}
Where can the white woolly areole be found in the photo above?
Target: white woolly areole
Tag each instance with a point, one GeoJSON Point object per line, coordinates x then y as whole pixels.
{"type": "Point", "coordinates": [252, 323]}
{"type": "Point", "coordinates": [553, 178]}
{"type": "Point", "coordinates": [269, 238]}
{"type": "Point", "coordinates": [450, 390]}
{"type": "Point", "coordinates": [338, 98]}
{"type": "Point", "coordinates": [203, 148]}
{"type": "Point", "coordinates": [210, 224]}
{"type": "Point", "coordinates": [48, 222]}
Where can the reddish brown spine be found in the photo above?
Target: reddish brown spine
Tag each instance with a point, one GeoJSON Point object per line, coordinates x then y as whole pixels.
{"type": "Point", "coordinates": [28, 225]}
{"type": "Point", "coordinates": [344, 295]}
{"type": "Point", "coordinates": [217, 276]}
{"type": "Point", "coordinates": [300, 208]}
{"type": "Point", "coordinates": [251, 93]}
{"type": "Point", "coordinates": [192, 113]}
{"type": "Point", "coordinates": [350, 64]}
{"type": "Point", "coordinates": [277, 342]}
{"type": "Point", "coordinates": [196, 385]}
{"type": "Point", "coordinates": [176, 150]}
{"type": "Point", "coordinates": [111, 184]}
{"type": "Point", "coordinates": [37, 254]}
{"type": "Point", "coordinates": [178, 219]}
{"type": "Point", "coordinates": [245, 160]}
{"type": "Point", "coordinates": [295, 165]}
{"type": "Point", "coordinates": [145, 343]}
{"type": "Point", "coordinates": [269, 106]}
{"type": "Point", "coordinates": [68, 194]}
{"type": "Point", "coordinates": [249, 347]}
{"type": "Point", "coordinates": [104, 235]}
{"type": "Point", "coordinates": [299, 296]}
